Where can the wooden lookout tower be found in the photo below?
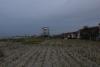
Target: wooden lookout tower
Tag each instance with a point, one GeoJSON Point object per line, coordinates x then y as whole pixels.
{"type": "Point", "coordinates": [45, 32]}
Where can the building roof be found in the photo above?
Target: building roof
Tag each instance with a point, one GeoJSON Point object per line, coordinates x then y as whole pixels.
{"type": "Point", "coordinates": [90, 29]}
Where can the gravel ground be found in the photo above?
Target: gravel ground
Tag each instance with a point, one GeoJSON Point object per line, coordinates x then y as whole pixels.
{"type": "Point", "coordinates": [55, 53]}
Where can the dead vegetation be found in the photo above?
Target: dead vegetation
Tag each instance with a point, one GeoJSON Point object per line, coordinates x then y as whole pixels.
{"type": "Point", "coordinates": [52, 53]}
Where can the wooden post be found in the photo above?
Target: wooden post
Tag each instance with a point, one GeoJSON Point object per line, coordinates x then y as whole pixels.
{"type": "Point", "coordinates": [78, 35]}
{"type": "Point", "coordinates": [99, 28]}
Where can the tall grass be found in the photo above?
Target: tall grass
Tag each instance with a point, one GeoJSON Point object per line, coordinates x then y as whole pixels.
{"type": "Point", "coordinates": [24, 40]}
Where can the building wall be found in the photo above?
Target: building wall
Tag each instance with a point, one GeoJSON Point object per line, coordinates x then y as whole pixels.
{"type": "Point", "coordinates": [89, 33]}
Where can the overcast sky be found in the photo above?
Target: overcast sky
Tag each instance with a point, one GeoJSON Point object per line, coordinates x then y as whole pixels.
{"type": "Point", "coordinates": [19, 17]}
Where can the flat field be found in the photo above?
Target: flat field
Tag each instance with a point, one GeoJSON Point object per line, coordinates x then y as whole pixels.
{"type": "Point", "coordinates": [51, 53]}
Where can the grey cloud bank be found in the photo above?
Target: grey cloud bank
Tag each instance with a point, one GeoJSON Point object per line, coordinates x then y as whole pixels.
{"type": "Point", "coordinates": [18, 17]}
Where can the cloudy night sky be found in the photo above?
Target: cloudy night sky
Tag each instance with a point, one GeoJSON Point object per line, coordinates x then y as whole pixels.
{"type": "Point", "coordinates": [19, 17]}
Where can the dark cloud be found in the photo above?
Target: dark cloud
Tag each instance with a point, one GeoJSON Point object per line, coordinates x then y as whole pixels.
{"type": "Point", "coordinates": [28, 16]}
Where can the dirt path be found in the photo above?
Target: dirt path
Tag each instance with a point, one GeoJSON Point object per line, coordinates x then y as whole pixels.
{"type": "Point", "coordinates": [46, 56]}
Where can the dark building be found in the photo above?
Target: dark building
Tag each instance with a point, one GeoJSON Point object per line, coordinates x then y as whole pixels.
{"type": "Point", "coordinates": [89, 33]}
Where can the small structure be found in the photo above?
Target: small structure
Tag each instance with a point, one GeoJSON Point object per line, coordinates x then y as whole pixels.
{"type": "Point", "coordinates": [71, 35]}
{"type": "Point", "coordinates": [45, 32]}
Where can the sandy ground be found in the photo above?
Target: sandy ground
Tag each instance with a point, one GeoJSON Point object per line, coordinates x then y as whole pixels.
{"type": "Point", "coordinates": [55, 53]}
